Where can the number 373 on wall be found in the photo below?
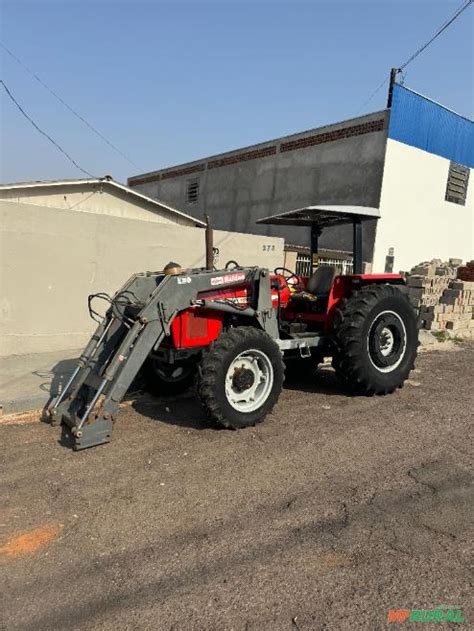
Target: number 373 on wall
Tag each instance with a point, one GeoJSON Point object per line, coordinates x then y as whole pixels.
{"type": "Point", "coordinates": [268, 248]}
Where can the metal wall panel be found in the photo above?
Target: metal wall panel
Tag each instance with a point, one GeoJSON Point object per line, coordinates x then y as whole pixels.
{"type": "Point", "coordinates": [421, 123]}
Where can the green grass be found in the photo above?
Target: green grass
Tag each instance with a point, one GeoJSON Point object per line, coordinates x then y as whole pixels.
{"type": "Point", "coordinates": [441, 336]}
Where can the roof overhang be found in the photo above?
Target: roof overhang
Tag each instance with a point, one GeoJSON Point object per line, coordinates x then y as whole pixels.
{"type": "Point", "coordinates": [322, 216]}
{"type": "Point", "coordinates": [109, 183]}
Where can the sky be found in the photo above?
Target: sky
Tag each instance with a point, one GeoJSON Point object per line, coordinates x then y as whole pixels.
{"type": "Point", "coordinates": [173, 81]}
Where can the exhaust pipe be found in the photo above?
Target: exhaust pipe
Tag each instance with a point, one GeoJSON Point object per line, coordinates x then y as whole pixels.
{"type": "Point", "coordinates": [209, 244]}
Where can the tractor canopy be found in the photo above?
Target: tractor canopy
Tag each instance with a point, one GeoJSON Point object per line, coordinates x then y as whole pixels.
{"type": "Point", "coordinates": [322, 216]}
{"type": "Point", "coordinates": [319, 217]}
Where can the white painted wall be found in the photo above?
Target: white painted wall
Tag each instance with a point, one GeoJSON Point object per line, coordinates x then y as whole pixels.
{"type": "Point", "coordinates": [101, 198]}
{"type": "Point", "coordinates": [415, 218]}
{"type": "Point", "coordinates": [52, 259]}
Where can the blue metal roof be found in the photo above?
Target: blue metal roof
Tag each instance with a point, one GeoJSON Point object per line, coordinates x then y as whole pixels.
{"type": "Point", "coordinates": [419, 122]}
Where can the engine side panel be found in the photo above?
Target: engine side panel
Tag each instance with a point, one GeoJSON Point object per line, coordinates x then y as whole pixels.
{"type": "Point", "coordinates": [196, 327]}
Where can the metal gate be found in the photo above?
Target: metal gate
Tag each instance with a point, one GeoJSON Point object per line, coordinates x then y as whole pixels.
{"type": "Point", "coordinates": [303, 264]}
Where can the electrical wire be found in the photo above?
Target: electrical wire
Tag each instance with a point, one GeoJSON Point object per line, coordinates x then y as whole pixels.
{"type": "Point", "coordinates": [376, 91]}
{"type": "Point", "coordinates": [66, 105]}
{"type": "Point", "coordinates": [12, 98]}
{"type": "Point", "coordinates": [442, 28]}
{"type": "Point", "coordinates": [412, 57]}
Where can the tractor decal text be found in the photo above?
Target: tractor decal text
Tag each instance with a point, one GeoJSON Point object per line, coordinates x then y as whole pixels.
{"type": "Point", "coordinates": [228, 278]}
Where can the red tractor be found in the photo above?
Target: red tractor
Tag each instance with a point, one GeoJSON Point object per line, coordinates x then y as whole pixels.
{"type": "Point", "coordinates": [232, 331]}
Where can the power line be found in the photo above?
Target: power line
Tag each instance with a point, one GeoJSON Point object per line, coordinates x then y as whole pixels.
{"type": "Point", "coordinates": [12, 98]}
{"type": "Point", "coordinates": [71, 109]}
{"type": "Point", "coordinates": [442, 28]}
{"type": "Point", "coordinates": [437, 34]}
{"type": "Point", "coordinates": [376, 91]}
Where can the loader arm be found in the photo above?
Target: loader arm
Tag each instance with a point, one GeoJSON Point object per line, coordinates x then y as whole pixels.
{"type": "Point", "coordinates": [136, 323]}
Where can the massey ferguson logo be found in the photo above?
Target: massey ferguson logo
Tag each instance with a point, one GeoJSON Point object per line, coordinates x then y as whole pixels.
{"type": "Point", "coordinates": [228, 278]}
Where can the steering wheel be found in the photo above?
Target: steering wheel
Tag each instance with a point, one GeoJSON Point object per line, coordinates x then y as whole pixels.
{"type": "Point", "coordinates": [281, 271]}
{"type": "Point", "coordinates": [234, 264]}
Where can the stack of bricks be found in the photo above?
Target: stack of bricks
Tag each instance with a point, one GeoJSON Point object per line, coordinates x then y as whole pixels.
{"type": "Point", "coordinates": [437, 267]}
{"type": "Point", "coordinates": [424, 292]}
{"type": "Point", "coordinates": [442, 295]}
{"type": "Point", "coordinates": [458, 303]}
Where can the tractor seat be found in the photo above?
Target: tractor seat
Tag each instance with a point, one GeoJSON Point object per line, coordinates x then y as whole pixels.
{"type": "Point", "coordinates": [321, 281]}
{"type": "Point", "coordinates": [316, 295]}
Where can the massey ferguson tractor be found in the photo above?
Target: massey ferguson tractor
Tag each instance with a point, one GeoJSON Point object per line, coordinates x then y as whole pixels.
{"type": "Point", "coordinates": [232, 331]}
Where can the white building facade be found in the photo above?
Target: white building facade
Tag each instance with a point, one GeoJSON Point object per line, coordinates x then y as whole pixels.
{"type": "Point", "coordinates": [427, 200]}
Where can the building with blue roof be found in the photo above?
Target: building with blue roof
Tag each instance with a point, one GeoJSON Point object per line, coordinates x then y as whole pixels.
{"type": "Point", "coordinates": [413, 160]}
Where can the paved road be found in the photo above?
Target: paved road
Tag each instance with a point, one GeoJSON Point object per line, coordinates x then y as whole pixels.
{"type": "Point", "coordinates": [330, 513]}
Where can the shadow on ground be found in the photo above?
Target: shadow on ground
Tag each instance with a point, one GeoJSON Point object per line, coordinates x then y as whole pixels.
{"type": "Point", "coordinates": [57, 378]}
{"type": "Point", "coordinates": [320, 381]}
{"type": "Point", "coordinates": [185, 410]}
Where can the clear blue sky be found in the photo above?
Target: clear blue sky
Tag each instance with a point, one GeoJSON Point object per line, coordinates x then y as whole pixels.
{"type": "Point", "coordinates": [172, 81]}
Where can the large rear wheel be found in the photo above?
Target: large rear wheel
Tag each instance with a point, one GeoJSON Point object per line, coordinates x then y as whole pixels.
{"type": "Point", "coordinates": [375, 339]}
{"type": "Point", "coordinates": [240, 377]}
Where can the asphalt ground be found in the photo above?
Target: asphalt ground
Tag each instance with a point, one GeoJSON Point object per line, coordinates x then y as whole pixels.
{"type": "Point", "coordinates": [330, 513]}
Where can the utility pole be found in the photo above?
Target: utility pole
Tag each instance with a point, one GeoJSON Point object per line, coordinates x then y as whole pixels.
{"type": "Point", "coordinates": [393, 77]}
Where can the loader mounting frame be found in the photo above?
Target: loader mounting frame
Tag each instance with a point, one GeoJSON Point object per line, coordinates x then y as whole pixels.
{"type": "Point", "coordinates": [136, 323]}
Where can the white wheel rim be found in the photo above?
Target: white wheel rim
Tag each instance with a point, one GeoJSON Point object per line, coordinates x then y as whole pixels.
{"type": "Point", "coordinates": [387, 347]}
{"type": "Point", "coordinates": [387, 342]}
{"type": "Point", "coordinates": [250, 398]}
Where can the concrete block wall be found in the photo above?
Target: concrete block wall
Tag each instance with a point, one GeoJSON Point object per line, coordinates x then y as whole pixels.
{"type": "Point", "coordinates": [337, 164]}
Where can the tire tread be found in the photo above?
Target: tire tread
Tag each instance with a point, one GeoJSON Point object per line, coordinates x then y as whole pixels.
{"type": "Point", "coordinates": [212, 365]}
{"type": "Point", "coordinates": [349, 319]}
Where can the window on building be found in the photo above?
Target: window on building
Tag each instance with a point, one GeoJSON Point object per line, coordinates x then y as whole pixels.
{"type": "Point", "coordinates": [192, 192]}
{"type": "Point", "coordinates": [456, 188]}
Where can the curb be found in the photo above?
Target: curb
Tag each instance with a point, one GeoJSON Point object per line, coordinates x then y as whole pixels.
{"type": "Point", "coordinates": [36, 416]}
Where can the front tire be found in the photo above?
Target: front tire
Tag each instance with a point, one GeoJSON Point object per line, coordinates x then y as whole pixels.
{"type": "Point", "coordinates": [240, 377]}
{"type": "Point", "coordinates": [375, 339]}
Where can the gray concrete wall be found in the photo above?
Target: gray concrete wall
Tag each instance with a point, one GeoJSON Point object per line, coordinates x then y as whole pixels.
{"type": "Point", "coordinates": [51, 260]}
{"type": "Point", "coordinates": [337, 164]}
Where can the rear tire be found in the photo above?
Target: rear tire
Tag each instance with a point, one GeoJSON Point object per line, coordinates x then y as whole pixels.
{"type": "Point", "coordinates": [375, 339]}
{"type": "Point", "coordinates": [163, 379]}
{"type": "Point", "coordinates": [240, 377]}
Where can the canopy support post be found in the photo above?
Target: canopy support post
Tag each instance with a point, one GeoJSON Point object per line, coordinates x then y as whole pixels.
{"type": "Point", "coordinates": [315, 233]}
{"type": "Point", "coordinates": [357, 246]}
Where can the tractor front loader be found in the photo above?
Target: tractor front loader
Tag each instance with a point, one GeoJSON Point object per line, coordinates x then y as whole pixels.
{"type": "Point", "coordinates": [140, 321]}
{"type": "Point", "coordinates": [232, 332]}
